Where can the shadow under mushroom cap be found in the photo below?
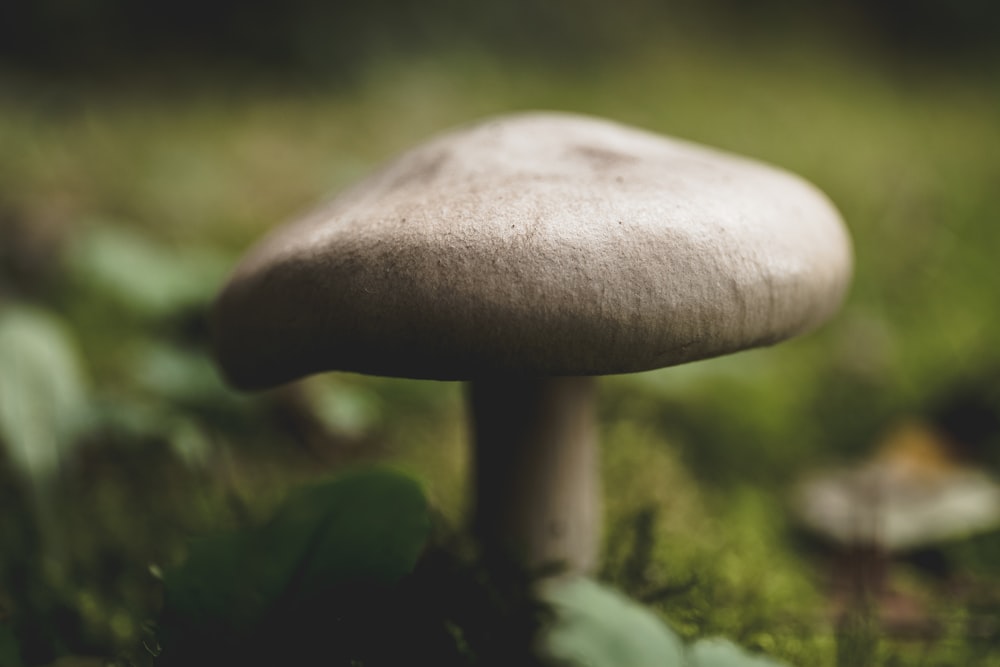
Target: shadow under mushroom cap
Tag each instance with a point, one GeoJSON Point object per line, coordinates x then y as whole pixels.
{"type": "Point", "coordinates": [541, 244]}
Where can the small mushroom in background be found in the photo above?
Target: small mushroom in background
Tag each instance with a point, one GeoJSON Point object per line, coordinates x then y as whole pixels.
{"type": "Point", "coordinates": [915, 492]}
{"type": "Point", "coordinates": [527, 254]}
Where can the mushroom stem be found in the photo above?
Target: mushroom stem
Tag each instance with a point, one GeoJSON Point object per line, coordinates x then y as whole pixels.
{"type": "Point", "coordinates": [536, 469]}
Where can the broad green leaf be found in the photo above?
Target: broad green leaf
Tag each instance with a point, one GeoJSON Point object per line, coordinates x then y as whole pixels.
{"type": "Point", "coordinates": [182, 380]}
{"type": "Point", "coordinates": [176, 374]}
{"type": "Point", "coordinates": [43, 395]}
{"type": "Point", "coordinates": [596, 626]}
{"type": "Point", "coordinates": [148, 278]}
{"type": "Point", "coordinates": [717, 652]}
{"type": "Point", "coordinates": [370, 528]}
{"type": "Point", "coordinates": [365, 528]}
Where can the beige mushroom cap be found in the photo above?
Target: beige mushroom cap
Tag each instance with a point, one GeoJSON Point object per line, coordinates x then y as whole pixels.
{"type": "Point", "coordinates": [537, 244]}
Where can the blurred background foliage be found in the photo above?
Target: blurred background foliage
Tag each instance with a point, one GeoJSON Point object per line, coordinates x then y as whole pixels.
{"type": "Point", "coordinates": [144, 146]}
{"type": "Point", "coordinates": [340, 37]}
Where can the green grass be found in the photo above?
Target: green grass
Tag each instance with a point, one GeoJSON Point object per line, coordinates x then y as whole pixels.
{"type": "Point", "coordinates": [696, 458]}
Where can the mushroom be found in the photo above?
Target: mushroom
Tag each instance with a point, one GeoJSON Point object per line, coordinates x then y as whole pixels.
{"type": "Point", "coordinates": [911, 494]}
{"type": "Point", "coordinates": [527, 254]}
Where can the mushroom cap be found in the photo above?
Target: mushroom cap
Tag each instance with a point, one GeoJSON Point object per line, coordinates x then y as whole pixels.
{"type": "Point", "coordinates": [911, 494]}
{"type": "Point", "coordinates": [885, 507]}
{"type": "Point", "coordinates": [536, 244]}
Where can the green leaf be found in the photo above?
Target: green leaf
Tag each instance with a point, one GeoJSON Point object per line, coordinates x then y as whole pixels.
{"type": "Point", "coordinates": [596, 626]}
{"type": "Point", "coordinates": [717, 652]}
{"type": "Point", "coordinates": [146, 277]}
{"type": "Point", "coordinates": [176, 374]}
{"type": "Point", "coordinates": [43, 395]}
{"type": "Point", "coordinates": [366, 528]}
{"type": "Point", "coordinates": [369, 527]}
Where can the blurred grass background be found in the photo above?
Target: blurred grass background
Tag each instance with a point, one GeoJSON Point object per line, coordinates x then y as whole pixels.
{"type": "Point", "coordinates": [143, 147]}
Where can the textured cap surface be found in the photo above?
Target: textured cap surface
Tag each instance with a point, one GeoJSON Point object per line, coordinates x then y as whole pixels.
{"type": "Point", "coordinates": [536, 243]}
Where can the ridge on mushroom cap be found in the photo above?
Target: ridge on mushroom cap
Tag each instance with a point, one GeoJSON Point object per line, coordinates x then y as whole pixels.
{"type": "Point", "coordinates": [542, 244]}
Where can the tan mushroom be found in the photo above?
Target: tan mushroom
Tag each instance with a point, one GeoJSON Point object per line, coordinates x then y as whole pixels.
{"type": "Point", "coordinates": [526, 254]}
